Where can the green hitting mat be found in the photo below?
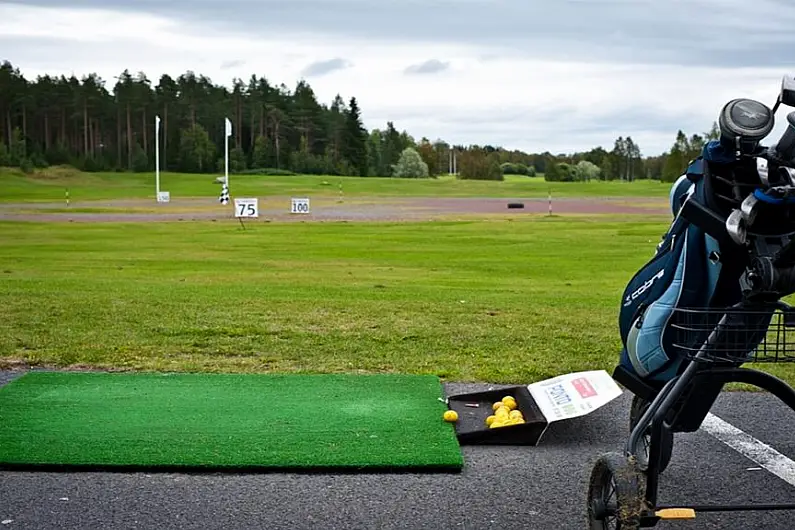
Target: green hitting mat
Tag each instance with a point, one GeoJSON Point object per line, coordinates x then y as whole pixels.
{"type": "Point", "coordinates": [226, 421]}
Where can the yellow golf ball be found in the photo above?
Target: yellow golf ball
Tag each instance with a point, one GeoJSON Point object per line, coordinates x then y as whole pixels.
{"type": "Point", "coordinates": [490, 420]}
{"type": "Point", "coordinates": [509, 401]}
{"type": "Point", "coordinates": [502, 412]}
{"type": "Point", "coordinates": [516, 415]}
{"type": "Point", "coordinates": [497, 405]}
{"type": "Point", "coordinates": [450, 415]}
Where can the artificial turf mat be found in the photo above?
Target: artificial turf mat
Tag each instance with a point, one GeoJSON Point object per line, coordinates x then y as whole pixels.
{"type": "Point", "coordinates": [225, 422]}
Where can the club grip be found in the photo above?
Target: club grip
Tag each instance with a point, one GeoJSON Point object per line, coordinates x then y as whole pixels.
{"type": "Point", "coordinates": [709, 221]}
{"type": "Point", "coordinates": [786, 145]}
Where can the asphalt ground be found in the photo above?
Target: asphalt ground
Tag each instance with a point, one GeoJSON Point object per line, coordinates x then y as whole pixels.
{"type": "Point", "coordinates": [501, 487]}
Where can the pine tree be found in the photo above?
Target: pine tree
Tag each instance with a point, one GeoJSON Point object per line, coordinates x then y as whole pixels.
{"type": "Point", "coordinates": [355, 140]}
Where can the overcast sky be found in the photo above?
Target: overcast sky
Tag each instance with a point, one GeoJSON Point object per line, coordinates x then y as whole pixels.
{"type": "Point", "coordinates": [558, 75]}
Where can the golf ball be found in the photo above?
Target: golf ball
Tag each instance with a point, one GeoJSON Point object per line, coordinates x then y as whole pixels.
{"type": "Point", "coordinates": [450, 415]}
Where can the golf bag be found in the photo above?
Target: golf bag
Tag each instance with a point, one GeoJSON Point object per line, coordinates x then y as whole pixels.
{"type": "Point", "coordinates": [688, 270]}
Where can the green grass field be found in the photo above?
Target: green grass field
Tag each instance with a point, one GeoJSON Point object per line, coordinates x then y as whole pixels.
{"type": "Point", "coordinates": [51, 184]}
{"type": "Point", "coordinates": [482, 300]}
{"type": "Point", "coordinates": [501, 300]}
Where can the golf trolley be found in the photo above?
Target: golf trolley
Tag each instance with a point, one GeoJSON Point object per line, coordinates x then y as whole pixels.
{"type": "Point", "coordinates": [713, 343]}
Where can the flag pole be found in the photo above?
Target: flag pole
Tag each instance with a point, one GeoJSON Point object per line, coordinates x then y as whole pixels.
{"type": "Point", "coordinates": [228, 132]}
{"type": "Point", "coordinates": [157, 157]}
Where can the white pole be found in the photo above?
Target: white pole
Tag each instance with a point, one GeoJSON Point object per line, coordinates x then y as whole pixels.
{"type": "Point", "coordinates": [157, 157]}
{"type": "Point", "coordinates": [228, 130]}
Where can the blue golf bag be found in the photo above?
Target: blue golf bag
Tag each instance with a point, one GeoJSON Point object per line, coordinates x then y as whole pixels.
{"type": "Point", "coordinates": [689, 269]}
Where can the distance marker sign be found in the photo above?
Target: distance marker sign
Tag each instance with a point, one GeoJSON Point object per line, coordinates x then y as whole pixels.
{"type": "Point", "coordinates": [246, 208]}
{"type": "Point", "coordinates": [299, 206]}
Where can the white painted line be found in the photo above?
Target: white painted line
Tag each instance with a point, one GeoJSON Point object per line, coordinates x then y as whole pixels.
{"type": "Point", "coordinates": [751, 448]}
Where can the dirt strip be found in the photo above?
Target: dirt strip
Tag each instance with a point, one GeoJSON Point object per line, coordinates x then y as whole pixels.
{"type": "Point", "coordinates": [324, 209]}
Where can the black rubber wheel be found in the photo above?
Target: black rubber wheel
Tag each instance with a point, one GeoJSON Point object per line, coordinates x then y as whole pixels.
{"type": "Point", "coordinates": [515, 205]}
{"type": "Point", "coordinates": [616, 494]}
{"type": "Point", "coordinates": [636, 412]}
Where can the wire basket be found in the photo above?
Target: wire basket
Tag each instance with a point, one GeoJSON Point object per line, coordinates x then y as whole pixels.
{"type": "Point", "coordinates": [734, 336]}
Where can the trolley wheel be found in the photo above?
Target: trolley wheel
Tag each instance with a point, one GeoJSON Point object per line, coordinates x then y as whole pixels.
{"type": "Point", "coordinates": [616, 494]}
{"type": "Point", "coordinates": [636, 412]}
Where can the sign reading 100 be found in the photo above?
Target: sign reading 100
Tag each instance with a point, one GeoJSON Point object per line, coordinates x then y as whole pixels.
{"type": "Point", "coordinates": [300, 206]}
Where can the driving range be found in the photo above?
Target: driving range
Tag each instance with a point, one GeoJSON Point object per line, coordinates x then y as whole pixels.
{"type": "Point", "coordinates": [416, 290]}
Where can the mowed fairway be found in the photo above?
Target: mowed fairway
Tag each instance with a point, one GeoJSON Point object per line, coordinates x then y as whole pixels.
{"type": "Point", "coordinates": [51, 185]}
{"type": "Point", "coordinates": [499, 301]}
{"type": "Point", "coordinates": [503, 299]}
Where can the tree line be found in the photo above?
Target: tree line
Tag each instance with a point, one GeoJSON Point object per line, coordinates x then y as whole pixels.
{"type": "Point", "coordinates": [95, 125]}
{"type": "Point", "coordinates": [625, 162]}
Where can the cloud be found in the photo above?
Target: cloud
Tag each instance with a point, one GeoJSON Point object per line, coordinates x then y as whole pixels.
{"type": "Point", "coordinates": [533, 75]}
{"type": "Point", "coordinates": [431, 66]}
{"type": "Point", "coordinates": [227, 65]}
{"type": "Point", "coordinates": [319, 68]}
{"type": "Point", "coordinates": [696, 32]}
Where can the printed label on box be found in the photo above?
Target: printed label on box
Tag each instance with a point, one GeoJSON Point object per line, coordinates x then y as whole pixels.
{"type": "Point", "coordinates": [572, 395]}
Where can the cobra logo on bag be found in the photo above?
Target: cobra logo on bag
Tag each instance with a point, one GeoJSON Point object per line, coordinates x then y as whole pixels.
{"type": "Point", "coordinates": [643, 288]}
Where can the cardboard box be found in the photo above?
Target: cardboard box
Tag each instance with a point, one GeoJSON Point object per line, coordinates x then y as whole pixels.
{"type": "Point", "coordinates": [560, 398]}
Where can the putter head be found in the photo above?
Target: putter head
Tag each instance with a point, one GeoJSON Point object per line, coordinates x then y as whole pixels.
{"type": "Point", "coordinates": [735, 226]}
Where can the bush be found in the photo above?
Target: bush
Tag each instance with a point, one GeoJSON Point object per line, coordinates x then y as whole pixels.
{"type": "Point", "coordinates": [510, 168]}
{"type": "Point", "coordinates": [140, 162]}
{"type": "Point", "coordinates": [586, 171]}
{"type": "Point", "coordinates": [567, 172]}
{"type": "Point", "coordinates": [17, 149]}
{"type": "Point", "coordinates": [5, 160]}
{"type": "Point", "coordinates": [410, 165]}
{"type": "Point", "coordinates": [196, 150]}
{"type": "Point", "coordinates": [26, 165]}
{"type": "Point", "coordinates": [39, 161]}
{"type": "Point", "coordinates": [89, 164]}
{"type": "Point", "coordinates": [57, 155]}
{"type": "Point", "coordinates": [269, 171]}
{"type": "Point", "coordinates": [237, 162]}
{"type": "Point", "coordinates": [477, 164]}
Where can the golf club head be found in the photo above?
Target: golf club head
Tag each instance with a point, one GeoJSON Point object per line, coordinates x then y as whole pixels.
{"type": "Point", "coordinates": [761, 169]}
{"type": "Point", "coordinates": [748, 209]}
{"type": "Point", "coordinates": [787, 176]}
{"type": "Point", "coordinates": [787, 96]}
{"type": "Point", "coordinates": [735, 226]}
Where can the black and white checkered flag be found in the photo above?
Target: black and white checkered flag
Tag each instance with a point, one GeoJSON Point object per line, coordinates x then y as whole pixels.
{"type": "Point", "coordinates": [224, 198]}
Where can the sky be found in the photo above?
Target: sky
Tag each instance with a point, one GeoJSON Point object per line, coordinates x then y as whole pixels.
{"type": "Point", "coordinates": [553, 75]}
